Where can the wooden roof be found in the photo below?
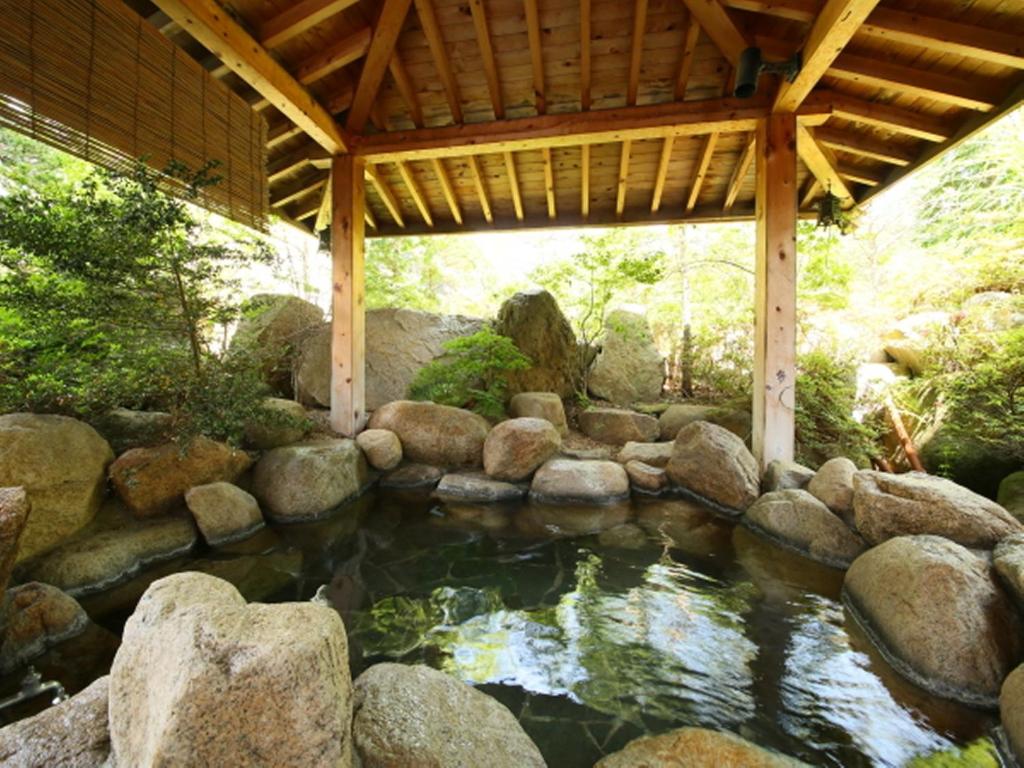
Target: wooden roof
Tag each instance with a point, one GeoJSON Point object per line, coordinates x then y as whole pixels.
{"type": "Point", "coordinates": [498, 114]}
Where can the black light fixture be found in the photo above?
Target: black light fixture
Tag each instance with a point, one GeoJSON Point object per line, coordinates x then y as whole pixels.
{"type": "Point", "coordinates": [751, 65]}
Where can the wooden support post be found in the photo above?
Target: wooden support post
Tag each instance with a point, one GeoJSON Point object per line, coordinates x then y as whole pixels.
{"type": "Point", "coordinates": [775, 291]}
{"type": "Point", "coordinates": [348, 359]}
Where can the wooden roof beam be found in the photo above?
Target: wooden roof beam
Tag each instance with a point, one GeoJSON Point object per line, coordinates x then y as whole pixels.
{"type": "Point", "coordinates": [435, 40]}
{"type": "Point", "coordinates": [859, 175]}
{"type": "Point", "coordinates": [549, 182]}
{"type": "Point", "coordinates": [690, 36]}
{"type": "Point", "coordinates": [281, 133]}
{"type": "Point", "coordinates": [877, 114]}
{"type": "Point", "coordinates": [620, 196]}
{"type": "Point", "coordinates": [701, 170]}
{"type": "Point", "coordinates": [821, 163]}
{"type": "Point", "coordinates": [214, 28]}
{"type": "Point", "coordinates": [585, 181]}
{"type": "Point", "coordinates": [297, 19]}
{"type": "Point", "coordinates": [386, 195]}
{"type": "Point", "coordinates": [659, 178]}
{"type": "Point", "coordinates": [292, 162]}
{"type": "Point", "coordinates": [298, 191]}
{"type": "Point", "coordinates": [415, 192]}
{"type": "Point", "coordinates": [332, 58]}
{"type": "Point", "coordinates": [865, 146]}
{"type": "Point", "coordinates": [585, 65]}
{"type": "Point", "coordinates": [483, 39]}
{"type": "Point", "coordinates": [481, 189]}
{"type": "Point", "coordinates": [941, 35]}
{"type": "Point", "coordinates": [405, 88]}
{"type": "Point", "coordinates": [382, 46]}
{"type": "Point", "coordinates": [536, 54]}
{"type": "Point", "coordinates": [720, 27]}
{"type": "Point", "coordinates": [447, 190]}
{"type": "Point", "coordinates": [976, 95]}
{"type": "Point", "coordinates": [513, 182]}
{"type": "Point", "coordinates": [832, 29]}
{"type": "Point", "coordinates": [740, 172]}
{"type": "Point", "coordinates": [654, 121]}
{"type": "Point", "coordinates": [636, 51]}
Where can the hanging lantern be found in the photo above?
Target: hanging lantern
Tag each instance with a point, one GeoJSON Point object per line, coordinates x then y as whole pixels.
{"type": "Point", "coordinates": [831, 213]}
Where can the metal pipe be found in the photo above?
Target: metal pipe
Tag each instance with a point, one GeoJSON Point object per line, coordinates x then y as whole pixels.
{"type": "Point", "coordinates": [32, 685]}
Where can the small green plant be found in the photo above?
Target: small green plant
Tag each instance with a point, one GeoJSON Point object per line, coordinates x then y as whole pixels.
{"type": "Point", "coordinates": [472, 374]}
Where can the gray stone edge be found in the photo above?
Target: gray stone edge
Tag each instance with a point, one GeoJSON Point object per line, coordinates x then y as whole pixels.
{"type": "Point", "coordinates": [792, 546]}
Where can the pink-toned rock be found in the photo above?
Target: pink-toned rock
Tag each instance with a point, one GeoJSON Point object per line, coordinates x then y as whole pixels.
{"type": "Point", "coordinates": [515, 448]}
{"type": "Point", "coordinates": [382, 448]}
{"type": "Point", "coordinates": [434, 434]}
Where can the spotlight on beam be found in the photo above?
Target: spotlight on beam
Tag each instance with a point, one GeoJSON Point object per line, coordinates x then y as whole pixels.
{"type": "Point", "coordinates": [751, 65]}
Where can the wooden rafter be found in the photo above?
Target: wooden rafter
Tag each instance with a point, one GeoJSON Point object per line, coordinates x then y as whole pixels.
{"type": "Point", "coordinates": [585, 182]}
{"type": "Point", "coordinates": [536, 54]}
{"type": "Point", "coordinates": [292, 162]}
{"type": "Point", "coordinates": [655, 121]}
{"type": "Point", "coordinates": [636, 51]}
{"type": "Point", "coordinates": [718, 25]}
{"type": "Point", "coordinates": [865, 146]}
{"type": "Point", "coordinates": [406, 89]}
{"type": "Point", "coordinates": [821, 163]}
{"type": "Point", "coordinates": [369, 217]}
{"type": "Point", "coordinates": [447, 190]}
{"type": "Point", "coordinates": [739, 173]}
{"type": "Point", "coordinates": [549, 182]}
{"type": "Point", "coordinates": [585, 65]}
{"type": "Point", "coordinates": [620, 196]}
{"type": "Point", "coordinates": [701, 170]}
{"type": "Point", "coordinates": [481, 189]}
{"type": "Point", "coordinates": [832, 29]}
{"type": "Point", "coordinates": [332, 58]}
{"type": "Point", "coordinates": [513, 182]}
{"type": "Point", "coordinates": [209, 24]}
{"type": "Point", "coordinates": [415, 192]}
{"type": "Point", "coordinates": [690, 35]}
{"type": "Point", "coordinates": [940, 35]}
{"type": "Point", "coordinates": [973, 94]}
{"type": "Point", "coordinates": [876, 114]}
{"type": "Point", "coordinates": [859, 175]}
{"type": "Point", "coordinates": [386, 195]}
{"type": "Point", "coordinates": [659, 178]}
{"type": "Point", "coordinates": [812, 189]}
{"type": "Point", "coordinates": [435, 40]}
{"type": "Point", "coordinates": [341, 100]}
{"type": "Point", "coordinates": [385, 35]}
{"type": "Point", "coordinates": [483, 39]}
{"type": "Point", "coordinates": [297, 192]}
{"type": "Point", "coordinates": [299, 18]}
{"type": "Point", "coordinates": [282, 133]}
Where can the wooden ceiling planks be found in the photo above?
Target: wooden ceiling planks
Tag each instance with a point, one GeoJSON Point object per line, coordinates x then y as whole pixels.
{"type": "Point", "coordinates": [896, 83]}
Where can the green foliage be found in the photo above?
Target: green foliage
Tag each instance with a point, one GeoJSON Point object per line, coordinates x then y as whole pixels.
{"type": "Point", "coordinates": [110, 292]}
{"type": "Point", "coordinates": [980, 753]}
{"type": "Point", "coordinates": [472, 374]}
{"type": "Point", "coordinates": [826, 394]}
{"type": "Point", "coordinates": [825, 271]}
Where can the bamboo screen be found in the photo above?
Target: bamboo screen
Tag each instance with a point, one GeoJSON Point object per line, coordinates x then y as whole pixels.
{"type": "Point", "coordinates": [94, 79]}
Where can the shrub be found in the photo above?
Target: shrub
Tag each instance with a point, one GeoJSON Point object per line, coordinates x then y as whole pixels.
{"type": "Point", "coordinates": [473, 373]}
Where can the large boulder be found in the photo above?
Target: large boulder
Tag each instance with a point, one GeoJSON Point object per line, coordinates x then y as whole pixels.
{"type": "Point", "coordinates": [1008, 559]}
{"type": "Point", "coordinates": [886, 505]}
{"type": "Point", "coordinates": [1011, 494]}
{"type": "Point", "coordinates": [832, 484]}
{"type": "Point", "coordinates": [304, 481]}
{"type": "Point", "coordinates": [278, 422]}
{"type": "Point", "coordinates": [534, 322]}
{"type": "Point", "coordinates": [417, 717]}
{"type": "Point", "coordinates": [937, 614]}
{"type": "Point", "coordinates": [645, 477]}
{"type": "Point", "coordinates": [629, 368]}
{"type": "Point", "coordinates": [653, 454]}
{"type": "Point", "coordinates": [382, 448]}
{"type": "Point", "coordinates": [908, 340]}
{"type": "Point", "coordinates": [540, 405]}
{"type": "Point", "coordinates": [114, 550]}
{"type": "Point", "coordinates": [477, 487]}
{"type": "Point", "coordinates": [271, 330]}
{"type": "Point", "coordinates": [435, 434]}
{"type": "Point", "coordinates": [72, 734]}
{"type": "Point", "coordinates": [14, 508]}
{"type": "Point", "coordinates": [152, 480]}
{"type": "Point", "coordinates": [1011, 711]}
{"type": "Point", "coordinates": [124, 428]}
{"type": "Point", "coordinates": [798, 520]}
{"type": "Point", "coordinates": [617, 426]}
{"type": "Point", "coordinates": [567, 480]}
{"type": "Point", "coordinates": [34, 617]}
{"type": "Point", "coordinates": [516, 447]}
{"type": "Point", "coordinates": [410, 476]}
{"type": "Point", "coordinates": [223, 512]}
{"type": "Point", "coordinates": [782, 475]}
{"type": "Point", "coordinates": [713, 462]}
{"type": "Point", "coordinates": [61, 463]}
{"type": "Point", "coordinates": [695, 748]}
{"type": "Point", "coordinates": [399, 342]}
{"type": "Point", "coordinates": [678, 415]}
{"type": "Point", "coordinates": [202, 678]}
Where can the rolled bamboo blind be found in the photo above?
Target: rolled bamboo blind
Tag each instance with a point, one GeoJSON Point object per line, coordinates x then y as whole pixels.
{"type": "Point", "coordinates": [93, 78]}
